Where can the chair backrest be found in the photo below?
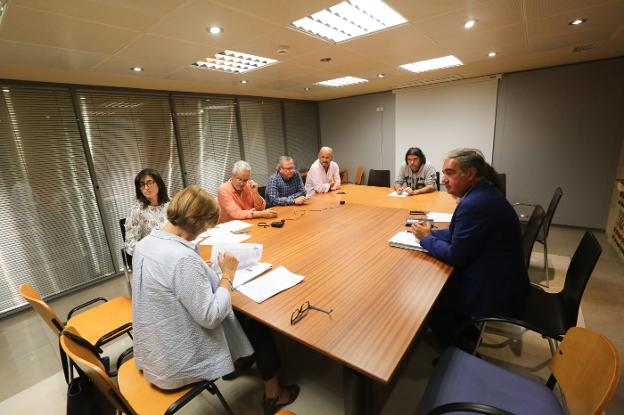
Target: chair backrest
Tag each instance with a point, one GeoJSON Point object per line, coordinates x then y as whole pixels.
{"type": "Point", "coordinates": [530, 233]}
{"type": "Point", "coordinates": [552, 207]}
{"type": "Point", "coordinates": [587, 368]}
{"type": "Point", "coordinates": [126, 257]}
{"type": "Point", "coordinates": [90, 364]}
{"type": "Point", "coordinates": [48, 315]}
{"type": "Point", "coordinates": [502, 183]}
{"type": "Point", "coordinates": [438, 180]}
{"type": "Point", "coordinates": [262, 191]}
{"type": "Point", "coordinates": [379, 178]}
{"type": "Point", "coordinates": [122, 226]}
{"type": "Point", "coordinates": [581, 267]}
{"type": "Point", "coordinates": [359, 173]}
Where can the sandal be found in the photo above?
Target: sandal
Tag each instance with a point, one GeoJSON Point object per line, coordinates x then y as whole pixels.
{"type": "Point", "coordinates": [270, 405]}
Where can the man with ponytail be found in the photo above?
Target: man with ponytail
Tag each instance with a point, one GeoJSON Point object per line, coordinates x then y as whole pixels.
{"type": "Point", "coordinates": [482, 243]}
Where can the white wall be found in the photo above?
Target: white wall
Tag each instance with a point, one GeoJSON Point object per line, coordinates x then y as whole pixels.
{"type": "Point", "coordinates": [444, 117]}
{"type": "Point", "coordinates": [361, 131]}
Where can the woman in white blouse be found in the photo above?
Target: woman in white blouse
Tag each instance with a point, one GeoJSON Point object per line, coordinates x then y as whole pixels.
{"type": "Point", "coordinates": [183, 324]}
{"type": "Point", "coordinates": [150, 210]}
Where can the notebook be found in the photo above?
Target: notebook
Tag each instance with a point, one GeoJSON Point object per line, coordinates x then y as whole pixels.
{"type": "Point", "coordinates": [406, 240]}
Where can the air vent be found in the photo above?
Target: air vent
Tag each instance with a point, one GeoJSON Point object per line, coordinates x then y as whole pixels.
{"type": "Point", "coordinates": [421, 82]}
{"type": "Point", "coordinates": [588, 46]}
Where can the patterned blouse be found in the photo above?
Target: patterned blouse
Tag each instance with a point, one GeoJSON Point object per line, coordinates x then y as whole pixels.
{"type": "Point", "coordinates": [141, 221]}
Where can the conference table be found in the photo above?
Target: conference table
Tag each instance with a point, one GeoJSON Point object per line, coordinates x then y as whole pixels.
{"type": "Point", "coordinates": [380, 295]}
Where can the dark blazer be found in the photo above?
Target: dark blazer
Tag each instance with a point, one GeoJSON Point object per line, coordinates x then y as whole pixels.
{"type": "Point", "coordinates": [483, 244]}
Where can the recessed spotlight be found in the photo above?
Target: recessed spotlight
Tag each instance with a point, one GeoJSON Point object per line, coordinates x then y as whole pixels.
{"type": "Point", "coordinates": [307, 88]}
{"type": "Point", "coordinates": [325, 59]}
{"type": "Point", "coordinates": [492, 54]}
{"type": "Point", "coordinates": [470, 24]}
{"type": "Point", "coordinates": [381, 75]}
{"type": "Point", "coordinates": [243, 81]}
{"type": "Point", "coordinates": [215, 30]}
{"type": "Point", "coordinates": [136, 69]}
{"type": "Point", "coordinates": [577, 22]}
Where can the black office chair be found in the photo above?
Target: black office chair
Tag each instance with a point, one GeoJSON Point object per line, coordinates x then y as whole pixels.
{"type": "Point", "coordinates": [552, 314]}
{"type": "Point", "coordinates": [438, 180]}
{"type": "Point", "coordinates": [125, 256]}
{"type": "Point", "coordinates": [530, 233]}
{"type": "Point", "coordinates": [262, 191]}
{"type": "Point", "coordinates": [542, 236]}
{"type": "Point", "coordinates": [379, 178]}
{"type": "Point", "coordinates": [502, 183]}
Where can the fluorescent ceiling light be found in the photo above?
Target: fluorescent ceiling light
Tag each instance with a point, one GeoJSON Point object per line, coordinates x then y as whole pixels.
{"type": "Point", "coordinates": [433, 64]}
{"type": "Point", "coordinates": [350, 19]}
{"type": "Point", "coordinates": [344, 81]}
{"type": "Point", "coordinates": [233, 62]}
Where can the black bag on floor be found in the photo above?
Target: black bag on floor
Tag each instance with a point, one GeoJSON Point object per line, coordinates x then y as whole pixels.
{"type": "Point", "coordinates": [84, 398]}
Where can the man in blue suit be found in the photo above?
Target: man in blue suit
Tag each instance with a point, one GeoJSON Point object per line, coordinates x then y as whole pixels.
{"type": "Point", "coordinates": [483, 244]}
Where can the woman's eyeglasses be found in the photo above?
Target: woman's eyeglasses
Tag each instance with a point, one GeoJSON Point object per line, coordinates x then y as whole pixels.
{"type": "Point", "coordinates": [302, 311]}
{"type": "Point", "coordinates": [146, 184]}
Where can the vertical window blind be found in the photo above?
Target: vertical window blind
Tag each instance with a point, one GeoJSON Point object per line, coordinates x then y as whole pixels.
{"type": "Point", "coordinates": [263, 135]}
{"type": "Point", "coordinates": [209, 138]}
{"type": "Point", "coordinates": [52, 233]}
{"type": "Point", "coordinates": [302, 135]}
{"type": "Point", "coordinates": [128, 132]}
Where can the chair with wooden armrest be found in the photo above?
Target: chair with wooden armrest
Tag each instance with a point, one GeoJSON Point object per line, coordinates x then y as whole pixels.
{"type": "Point", "coordinates": [99, 324]}
{"type": "Point", "coordinates": [134, 395]}
{"type": "Point", "coordinates": [586, 367]}
{"type": "Point", "coordinates": [359, 174]}
{"type": "Point", "coordinates": [543, 234]}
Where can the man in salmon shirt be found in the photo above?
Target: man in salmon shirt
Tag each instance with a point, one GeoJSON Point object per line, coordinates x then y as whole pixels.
{"type": "Point", "coordinates": [239, 197]}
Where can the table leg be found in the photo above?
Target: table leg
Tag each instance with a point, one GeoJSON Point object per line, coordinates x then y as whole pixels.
{"type": "Point", "coordinates": [358, 393]}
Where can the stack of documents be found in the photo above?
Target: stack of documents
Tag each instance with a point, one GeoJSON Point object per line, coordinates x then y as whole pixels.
{"type": "Point", "coordinates": [235, 226]}
{"type": "Point", "coordinates": [394, 194]}
{"type": "Point", "coordinates": [268, 285]}
{"type": "Point", "coordinates": [248, 256]}
{"type": "Point", "coordinates": [406, 240]}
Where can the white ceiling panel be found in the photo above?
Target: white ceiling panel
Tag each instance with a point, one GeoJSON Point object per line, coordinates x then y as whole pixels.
{"type": "Point", "coordinates": [158, 48]}
{"type": "Point", "coordinates": [151, 69]}
{"type": "Point", "coordinates": [16, 53]}
{"type": "Point", "coordinates": [189, 22]}
{"type": "Point", "coordinates": [539, 9]}
{"type": "Point", "coordinates": [129, 14]}
{"type": "Point", "coordinates": [56, 30]}
{"type": "Point", "coordinates": [281, 12]}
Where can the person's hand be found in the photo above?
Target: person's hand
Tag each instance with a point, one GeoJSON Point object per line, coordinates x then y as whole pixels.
{"type": "Point", "coordinates": [267, 213]}
{"type": "Point", "coordinates": [301, 200]}
{"type": "Point", "coordinates": [331, 183]}
{"type": "Point", "coordinates": [421, 229]}
{"type": "Point", "coordinates": [228, 263]}
{"type": "Point", "coordinates": [253, 185]}
{"type": "Point", "coordinates": [408, 191]}
{"type": "Point", "coordinates": [398, 190]}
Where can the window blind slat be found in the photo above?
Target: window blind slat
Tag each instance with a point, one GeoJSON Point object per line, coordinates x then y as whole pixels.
{"type": "Point", "coordinates": [302, 136]}
{"type": "Point", "coordinates": [52, 231]}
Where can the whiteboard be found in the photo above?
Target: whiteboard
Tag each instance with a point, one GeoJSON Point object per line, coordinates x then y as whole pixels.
{"type": "Point", "coordinates": [441, 118]}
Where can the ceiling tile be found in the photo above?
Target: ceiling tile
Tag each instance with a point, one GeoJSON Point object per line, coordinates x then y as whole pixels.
{"type": "Point", "coordinates": [130, 14]}
{"type": "Point", "coordinates": [490, 15]}
{"type": "Point", "coordinates": [339, 56]}
{"type": "Point", "coordinates": [16, 53]}
{"type": "Point", "coordinates": [394, 40]}
{"type": "Point", "coordinates": [281, 12]}
{"type": "Point", "coordinates": [122, 65]}
{"type": "Point", "coordinates": [190, 21]}
{"type": "Point", "coordinates": [553, 32]}
{"type": "Point", "coordinates": [539, 9]}
{"type": "Point", "coordinates": [158, 48]}
{"type": "Point", "coordinates": [419, 10]}
{"type": "Point", "coordinates": [266, 45]}
{"type": "Point", "coordinates": [55, 30]}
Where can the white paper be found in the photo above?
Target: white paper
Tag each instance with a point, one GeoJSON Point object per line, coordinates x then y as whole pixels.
{"type": "Point", "coordinates": [268, 285]}
{"type": "Point", "coordinates": [407, 240]}
{"type": "Point", "coordinates": [394, 194]}
{"type": "Point", "coordinates": [439, 216]}
{"type": "Point", "coordinates": [247, 274]}
{"type": "Point", "coordinates": [247, 254]}
{"type": "Point", "coordinates": [226, 238]}
{"type": "Point", "coordinates": [212, 232]}
{"type": "Point", "coordinates": [235, 226]}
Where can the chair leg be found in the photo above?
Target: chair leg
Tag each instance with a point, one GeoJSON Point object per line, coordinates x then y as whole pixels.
{"type": "Point", "coordinates": [546, 263]}
{"type": "Point", "coordinates": [480, 339]}
{"type": "Point", "coordinates": [212, 388]}
{"type": "Point", "coordinates": [128, 281]}
{"type": "Point", "coordinates": [553, 346]}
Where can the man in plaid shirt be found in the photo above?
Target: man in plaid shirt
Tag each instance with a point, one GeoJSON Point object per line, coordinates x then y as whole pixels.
{"type": "Point", "coordinates": [285, 186]}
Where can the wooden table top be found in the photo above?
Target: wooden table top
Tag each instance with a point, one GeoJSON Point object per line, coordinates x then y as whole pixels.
{"type": "Point", "coordinates": [380, 295]}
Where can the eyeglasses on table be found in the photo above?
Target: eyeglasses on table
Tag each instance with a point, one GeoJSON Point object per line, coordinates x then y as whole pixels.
{"type": "Point", "coordinates": [302, 311]}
